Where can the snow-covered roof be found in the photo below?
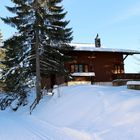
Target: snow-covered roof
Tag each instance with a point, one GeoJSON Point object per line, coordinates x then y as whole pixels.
{"type": "Point", "coordinates": [83, 74]}
{"type": "Point", "coordinates": [91, 47]}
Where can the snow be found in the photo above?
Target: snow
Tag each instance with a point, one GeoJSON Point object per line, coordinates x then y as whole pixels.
{"type": "Point", "coordinates": [81, 112]}
{"type": "Point", "coordinates": [91, 47]}
{"type": "Point", "coordinates": [83, 74]}
{"type": "Point", "coordinates": [133, 83]}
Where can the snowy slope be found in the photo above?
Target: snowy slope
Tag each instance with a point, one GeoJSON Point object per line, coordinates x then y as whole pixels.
{"type": "Point", "coordinates": [83, 112]}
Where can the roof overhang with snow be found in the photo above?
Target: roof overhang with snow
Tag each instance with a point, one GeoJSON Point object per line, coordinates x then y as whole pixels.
{"type": "Point", "coordinates": [92, 48]}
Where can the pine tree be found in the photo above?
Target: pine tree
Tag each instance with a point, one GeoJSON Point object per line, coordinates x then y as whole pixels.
{"type": "Point", "coordinates": [2, 55]}
{"type": "Point", "coordinates": [1, 40]}
{"type": "Point", "coordinates": [26, 22]}
{"type": "Point", "coordinates": [58, 38]}
{"type": "Point", "coordinates": [15, 73]}
{"type": "Point", "coordinates": [53, 37]}
{"type": "Point", "coordinates": [42, 34]}
{"type": "Point", "coordinates": [14, 64]}
{"type": "Point", "coordinates": [1, 44]}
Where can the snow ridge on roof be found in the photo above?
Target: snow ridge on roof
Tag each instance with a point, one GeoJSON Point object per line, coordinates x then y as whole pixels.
{"type": "Point", "coordinates": [91, 47]}
{"type": "Point", "coordinates": [83, 44]}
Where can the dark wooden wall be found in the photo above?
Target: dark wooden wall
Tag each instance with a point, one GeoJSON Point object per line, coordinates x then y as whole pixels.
{"type": "Point", "coordinates": [49, 82]}
{"type": "Point", "coordinates": [101, 63]}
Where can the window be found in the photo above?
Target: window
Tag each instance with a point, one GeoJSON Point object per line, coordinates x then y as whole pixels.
{"type": "Point", "coordinates": [86, 68]}
{"type": "Point", "coordinates": [79, 68]}
{"type": "Point", "coordinates": [118, 69]}
{"type": "Point", "coordinates": [72, 69]}
{"type": "Point", "coordinates": [76, 68]}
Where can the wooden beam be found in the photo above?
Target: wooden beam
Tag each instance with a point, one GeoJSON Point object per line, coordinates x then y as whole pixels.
{"type": "Point", "coordinates": [125, 57]}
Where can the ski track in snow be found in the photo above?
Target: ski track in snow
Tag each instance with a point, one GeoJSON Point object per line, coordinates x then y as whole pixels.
{"type": "Point", "coordinates": [59, 133]}
{"type": "Point", "coordinates": [81, 113]}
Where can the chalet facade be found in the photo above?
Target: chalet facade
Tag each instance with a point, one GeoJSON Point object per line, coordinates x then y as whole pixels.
{"type": "Point", "coordinates": [94, 63]}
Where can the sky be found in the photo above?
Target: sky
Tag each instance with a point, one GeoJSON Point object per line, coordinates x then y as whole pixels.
{"type": "Point", "coordinates": [116, 22]}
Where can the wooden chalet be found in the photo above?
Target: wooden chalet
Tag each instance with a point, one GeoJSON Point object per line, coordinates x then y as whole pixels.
{"type": "Point", "coordinates": [93, 63]}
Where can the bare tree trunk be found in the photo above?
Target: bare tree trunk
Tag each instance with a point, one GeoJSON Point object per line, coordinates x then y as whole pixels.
{"type": "Point", "coordinates": [38, 77]}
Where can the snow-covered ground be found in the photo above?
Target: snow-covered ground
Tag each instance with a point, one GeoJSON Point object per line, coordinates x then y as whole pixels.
{"type": "Point", "coordinates": [82, 112]}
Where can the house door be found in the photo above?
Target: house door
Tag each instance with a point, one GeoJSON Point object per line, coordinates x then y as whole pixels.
{"type": "Point", "coordinates": [53, 80]}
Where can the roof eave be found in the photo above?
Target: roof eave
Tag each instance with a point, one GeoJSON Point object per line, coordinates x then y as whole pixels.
{"type": "Point", "coordinates": [125, 53]}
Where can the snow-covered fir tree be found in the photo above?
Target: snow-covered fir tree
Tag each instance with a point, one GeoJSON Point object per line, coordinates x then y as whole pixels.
{"type": "Point", "coordinates": [42, 34]}
{"type": "Point", "coordinates": [57, 38]}
{"type": "Point", "coordinates": [15, 72]}
{"type": "Point", "coordinates": [2, 54]}
{"type": "Point", "coordinates": [1, 39]}
{"type": "Point", "coordinates": [15, 68]}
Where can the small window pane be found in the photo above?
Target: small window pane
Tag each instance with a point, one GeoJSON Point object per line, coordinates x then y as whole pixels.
{"type": "Point", "coordinates": [76, 68]}
{"type": "Point", "coordinates": [116, 71]}
{"type": "Point", "coordinates": [72, 68]}
{"type": "Point", "coordinates": [86, 68]}
{"type": "Point", "coordinates": [80, 68]}
{"type": "Point", "coordinates": [119, 69]}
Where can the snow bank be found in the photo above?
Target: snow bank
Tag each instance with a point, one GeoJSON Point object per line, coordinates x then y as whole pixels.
{"type": "Point", "coordinates": [81, 112]}
{"type": "Point", "coordinates": [133, 83]}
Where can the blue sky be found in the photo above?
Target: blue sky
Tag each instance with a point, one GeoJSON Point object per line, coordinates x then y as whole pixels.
{"type": "Point", "coordinates": [116, 22]}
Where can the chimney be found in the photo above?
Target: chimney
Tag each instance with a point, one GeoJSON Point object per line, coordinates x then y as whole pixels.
{"type": "Point", "coordinates": [97, 41]}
